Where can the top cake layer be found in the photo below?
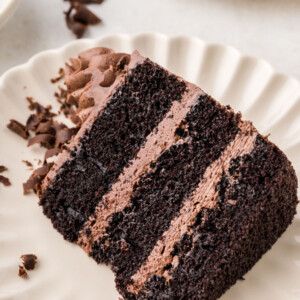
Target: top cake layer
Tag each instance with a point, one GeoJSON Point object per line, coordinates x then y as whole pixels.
{"type": "Point", "coordinates": [171, 188]}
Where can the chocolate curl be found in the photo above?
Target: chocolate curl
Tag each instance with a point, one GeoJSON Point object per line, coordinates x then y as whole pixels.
{"type": "Point", "coordinates": [4, 180]}
{"type": "Point", "coordinates": [64, 136]}
{"type": "Point", "coordinates": [76, 27]}
{"type": "Point", "coordinates": [35, 180]}
{"type": "Point", "coordinates": [45, 140]}
{"type": "Point", "coordinates": [3, 169]}
{"type": "Point", "coordinates": [18, 128]}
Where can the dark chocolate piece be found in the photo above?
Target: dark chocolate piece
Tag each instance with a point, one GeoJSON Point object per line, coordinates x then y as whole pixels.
{"type": "Point", "coordinates": [4, 180]}
{"type": "Point", "coordinates": [45, 128]}
{"type": "Point", "coordinates": [36, 178]}
{"type": "Point", "coordinates": [3, 169]}
{"type": "Point", "coordinates": [18, 128]}
{"type": "Point", "coordinates": [76, 27]}
{"type": "Point", "coordinates": [45, 140]}
{"type": "Point", "coordinates": [32, 122]}
{"type": "Point", "coordinates": [84, 15]}
{"type": "Point", "coordinates": [29, 261]}
{"type": "Point", "coordinates": [79, 21]}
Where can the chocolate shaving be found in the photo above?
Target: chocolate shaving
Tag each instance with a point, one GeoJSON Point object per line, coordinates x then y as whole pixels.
{"type": "Point", "coordinates": [4, 180]}
{"type": "Point", "coordinates": [84, 15]}
{"type": "Point", "coordinates": [32, 122]}
{"type": "Point", "coordinates": [76, 27]}
{"type": "Point", "coordinates": [59, 126]}
{"type": "Point", "coordinates": [52, 152]}
{"type": "Point", "coordinates": [66, 108]}
{"type": "Point", "coordinates": [22, 272]}
{"type": "Point", "coordinates": [28, 163]}
{"type": "Point", "coordinates": [79, 21]}
{"type": "Point", "coordinates": [29, 261]}
{"type": "Point", "coordinates": [36, 178]}
{"type": "Point", "coordinates": [45, 140]}
{"type": "Point", "coordinates": [3, 169]}
{"type": "Point", "coordinates": [44, 111]}
{"type": "Point", "coordinates": [64, 136]}
{"type": "Point", "coordinates": [18, 128]}
{"type": "Point", "coordinates": [45, 127]}
{"type": "Point", "coordinates": [61, 74]}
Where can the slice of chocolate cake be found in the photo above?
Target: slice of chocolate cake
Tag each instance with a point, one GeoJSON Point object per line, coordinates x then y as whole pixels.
{"type": "Point", "coordinates": [173, 190]}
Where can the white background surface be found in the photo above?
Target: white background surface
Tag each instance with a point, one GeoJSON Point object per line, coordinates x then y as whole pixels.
{"type": "Point", "coordinates": [269, 29]}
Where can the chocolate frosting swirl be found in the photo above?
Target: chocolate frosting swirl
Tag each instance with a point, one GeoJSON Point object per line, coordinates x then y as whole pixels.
{"type": "Point", "coordinates": [90, 75]}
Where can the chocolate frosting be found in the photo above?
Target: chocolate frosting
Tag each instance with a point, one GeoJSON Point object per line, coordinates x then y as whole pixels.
{"type": "Point", "coordinates": [91, 78]}
{"type": "Point", "coordinates": [94, 70]}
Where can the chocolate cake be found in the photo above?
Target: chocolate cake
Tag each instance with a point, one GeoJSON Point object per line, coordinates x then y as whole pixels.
{"type": "Point", "coordinates": [178, 194]}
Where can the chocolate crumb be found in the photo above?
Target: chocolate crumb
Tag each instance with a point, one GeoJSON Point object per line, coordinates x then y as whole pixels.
{"type": "Point", "coordinates": [4, 180]}
{"type": "Point", "coordinates": [61, 74]}
{"type": "Point", "coordinates": [3, 169]}
{"type": "Point", "coordinates": [29, 261]}
{"type": "Point", "coordinates": [22, 272]}
{"type": "Point", "coordinates": [18, 128]}
{"type": "Point", "coordinates": [27, 163]}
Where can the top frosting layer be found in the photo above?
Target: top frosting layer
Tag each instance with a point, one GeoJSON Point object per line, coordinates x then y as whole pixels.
{"type": "Point", "coordinates": [90, 75]}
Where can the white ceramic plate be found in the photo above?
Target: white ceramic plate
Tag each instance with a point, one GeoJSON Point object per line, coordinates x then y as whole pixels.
{"type": "Point", "coordinates": [271, 100]}
{"type": "Point", "coordinates": [7, 9]}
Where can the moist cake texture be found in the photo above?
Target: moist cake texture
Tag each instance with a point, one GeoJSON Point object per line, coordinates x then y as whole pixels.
{"type": "Point", "coordinates": [178, 194]}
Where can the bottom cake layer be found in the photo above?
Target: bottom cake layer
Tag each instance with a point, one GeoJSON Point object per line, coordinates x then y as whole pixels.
{"type": "Point", "coordinates": [256, 202]}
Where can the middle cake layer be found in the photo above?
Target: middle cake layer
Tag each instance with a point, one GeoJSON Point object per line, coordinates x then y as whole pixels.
{"type": "Point", "coordinates": [129, 232]}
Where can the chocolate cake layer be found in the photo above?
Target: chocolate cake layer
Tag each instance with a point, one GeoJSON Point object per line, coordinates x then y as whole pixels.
{"type": "Point", "coordinates": [204, 196]}
{"type": "Point", "coordinates": [257, 198]}
{"type": "Point", "coordinates": [159, 193]}
{"type": "Point", "coordinates": [160, 139]}
{"type": "Point", "coordinates": [134, 109]}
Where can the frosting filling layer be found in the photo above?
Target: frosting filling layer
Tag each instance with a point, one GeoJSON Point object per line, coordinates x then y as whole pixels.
{"type": "Point", "coordinates": [205, 196]}
{"type": "Point", "coordinates": [159, 193]}
{"type": "Point", "coordinates": [161, 138]}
